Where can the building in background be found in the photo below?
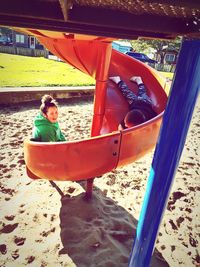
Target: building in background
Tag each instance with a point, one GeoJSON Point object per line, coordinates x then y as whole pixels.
{"type": "Point", "coordinates": [18, 39]}
{"type": "Point", "coordinates": [167, 56]}
{"type": "Point", "coordinates": [13, 42]}
{"type": "Point", "coordinates": [122, 46]}
{"type": "Point", "coordinates": [170, 56]}
{"type": "Point", "coordinates": [26, 41]}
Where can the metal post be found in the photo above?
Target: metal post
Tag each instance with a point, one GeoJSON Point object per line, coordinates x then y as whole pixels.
{"type": "Point", "coordinates": [176, 121]}
{"type": "Point", "coordinates": [88, 193]}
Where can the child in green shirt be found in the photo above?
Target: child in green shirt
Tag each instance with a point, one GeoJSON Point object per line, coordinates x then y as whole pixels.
{"type": "Point", "coordinates": [46, 127]}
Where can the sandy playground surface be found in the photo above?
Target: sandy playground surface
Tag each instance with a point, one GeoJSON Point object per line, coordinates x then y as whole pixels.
{"type": "Point", "coordinates": [39, 227]}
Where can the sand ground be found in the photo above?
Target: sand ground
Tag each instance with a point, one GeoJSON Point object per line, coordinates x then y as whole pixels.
{"type": "Point", "coordinates": [39, 227]}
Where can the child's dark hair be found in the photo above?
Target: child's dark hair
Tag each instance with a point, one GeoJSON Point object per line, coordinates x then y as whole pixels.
{"type": "Point", "coordinates": [134, 117]}
{"type": "Point", "coordinates": [47, 101]}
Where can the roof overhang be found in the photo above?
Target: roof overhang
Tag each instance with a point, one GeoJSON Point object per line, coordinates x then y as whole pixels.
{"type": "Point", "coordinates": [109, 18]}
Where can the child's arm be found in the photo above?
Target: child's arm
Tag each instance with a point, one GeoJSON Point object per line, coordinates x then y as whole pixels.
{"type": "Point", "coordinates": [62, 137]}
{"type": "Point", "coordinates": [36, 135]}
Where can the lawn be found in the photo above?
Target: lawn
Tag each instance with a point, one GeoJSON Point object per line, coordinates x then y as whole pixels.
{"type": "Point", "coordinates": [167, 74]}
{"type": "Point", "coordinates": [20, 71]}
{"type": "Point", "coordinates": [31, 71]}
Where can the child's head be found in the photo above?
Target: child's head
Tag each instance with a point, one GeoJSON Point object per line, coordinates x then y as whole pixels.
{"type": "Point", "coordinates": [49, 108]}
{"type": "Point", "coordinates": [134, 117]}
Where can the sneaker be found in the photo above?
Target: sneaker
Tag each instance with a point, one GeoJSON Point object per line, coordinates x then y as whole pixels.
{"type": "Point", "coordinates": [115, 79]}
{"type": "Point", "coordinates": [136, 79]}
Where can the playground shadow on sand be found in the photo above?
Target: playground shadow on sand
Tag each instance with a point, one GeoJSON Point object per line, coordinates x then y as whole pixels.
{"type": "Point", "coordinates": [98, 232]}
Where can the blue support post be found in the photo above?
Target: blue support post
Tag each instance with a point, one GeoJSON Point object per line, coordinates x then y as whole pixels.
{"type": "Point", "coordinates": [176, 121]}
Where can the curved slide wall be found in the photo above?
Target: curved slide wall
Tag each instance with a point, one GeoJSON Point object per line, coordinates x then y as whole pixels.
{"type": "Point", "coordinates": [95, 156]}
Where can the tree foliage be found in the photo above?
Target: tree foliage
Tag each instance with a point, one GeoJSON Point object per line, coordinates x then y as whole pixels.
{"type": "Point", "coordinates": [5, 31]}
{"type": "Point", "coordinates": [143, 45]}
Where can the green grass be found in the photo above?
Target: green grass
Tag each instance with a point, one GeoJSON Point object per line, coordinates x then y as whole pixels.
{"type": "Point", "coordinates": [167, 74]}
{"type": "Point", "coordinates": [19, 71]}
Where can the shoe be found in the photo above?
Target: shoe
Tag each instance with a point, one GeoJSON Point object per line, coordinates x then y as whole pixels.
{"type": "Point", "coordinates": [115, 79]}
{"type": "Point", "coordinates": [136, 79]}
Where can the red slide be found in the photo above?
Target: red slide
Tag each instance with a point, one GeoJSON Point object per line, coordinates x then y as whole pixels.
{"type": "Point", "coordinates": [108, 148]}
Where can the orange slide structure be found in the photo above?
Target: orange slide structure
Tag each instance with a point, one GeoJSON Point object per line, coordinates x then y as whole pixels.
{"type": "Point", "coordinates": [107, 148]}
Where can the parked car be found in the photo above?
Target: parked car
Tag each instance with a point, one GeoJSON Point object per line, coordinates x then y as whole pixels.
{"type": "Point", "coordinates": [142, 57]}
{"type": "Point", "coordinates": [4, 40]}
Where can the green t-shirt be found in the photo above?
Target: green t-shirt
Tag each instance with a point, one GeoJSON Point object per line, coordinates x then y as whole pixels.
{"type": "Point", "coordinates": [46, 131]}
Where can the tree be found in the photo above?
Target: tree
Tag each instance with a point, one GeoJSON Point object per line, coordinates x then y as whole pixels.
{"type": "Point", "coordinates": [142, 44]}
{"type": "Point", "coordinates": [5, 31]}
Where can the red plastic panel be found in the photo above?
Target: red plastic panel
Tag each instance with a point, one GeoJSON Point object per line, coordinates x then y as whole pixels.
{"type": "Point", "coordinates": [82, 54]}
{"type": "Point", "coordinates": [72, 160]}
{"type": "Point", "coordinates": [136, 142]}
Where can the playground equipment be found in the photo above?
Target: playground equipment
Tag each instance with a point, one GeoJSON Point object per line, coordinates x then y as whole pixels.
{"type": "Point", "coordinates": [130, 20]}
{"type": "Point", "coordinates": [108, 148]}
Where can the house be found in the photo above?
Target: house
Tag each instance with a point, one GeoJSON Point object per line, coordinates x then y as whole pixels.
{"type": "Point", "coordinates": [25, 41]}
{"type": "Point", "coordinates": [170, 56]}
{"type": "Point", "coordinates": [17, 43]}
{"type": "Point", "coordinates": [18, 39]}
{"type": "Point", "coordinates": [167, 56]}
{"type": "Point", "coordinates": [122, 46]}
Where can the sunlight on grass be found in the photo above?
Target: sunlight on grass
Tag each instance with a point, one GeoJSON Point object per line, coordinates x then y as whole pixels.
{"type": "Point", "coordinates": [22, 71]}
{"type": "Point", "coordinates": [167, 74]}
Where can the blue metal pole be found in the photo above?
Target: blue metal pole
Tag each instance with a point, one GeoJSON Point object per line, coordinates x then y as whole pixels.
{"type": "Point", "coordinates": [176, 121]}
